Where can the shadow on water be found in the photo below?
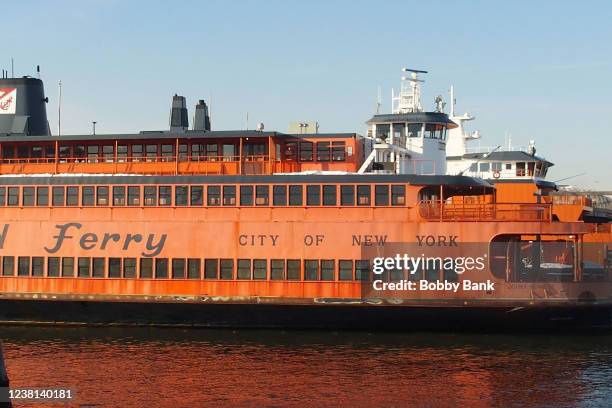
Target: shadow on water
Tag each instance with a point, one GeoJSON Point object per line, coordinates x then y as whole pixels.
{"type": "Point", "coordinates": [137, 367]}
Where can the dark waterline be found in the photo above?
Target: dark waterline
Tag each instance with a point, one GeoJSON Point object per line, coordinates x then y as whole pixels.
{"type": "Point", "coordinates": [142, 367]}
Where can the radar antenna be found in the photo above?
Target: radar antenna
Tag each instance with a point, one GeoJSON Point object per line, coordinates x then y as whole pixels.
{"type": "Point", "coordinates": [409, 98]}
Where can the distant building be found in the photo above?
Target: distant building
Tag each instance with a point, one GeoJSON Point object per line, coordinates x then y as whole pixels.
{"type": "Point", "coordinates": [303, 127]}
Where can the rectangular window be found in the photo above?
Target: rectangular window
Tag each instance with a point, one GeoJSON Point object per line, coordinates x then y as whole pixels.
{"type": "Point", "coordinates": [193, 268]}
{"type": "Point", "coordinates": [293, 269]}
{"type": "Point", "coordinates": [183, 152]}
{"type": "Point", "coordinates": [313, 195]}
{"type": "Point", "coordinates": [323, 151]}
{"type": "Point", "coordinates": [114, 267]}
{"type": "Point", "coordinates": [178, 268]}
{"type": "Point", "coordinates": [122, 153]}
{"type": "Point", "coordinates": [165, 195]}
{"type": "Point", "coordinates": [72, 196]}
{"type": "Point", "coordinates": [108, 152]}
{"type": "Point", "coordinates": [84, 267]}
{"type": "Point", "coordinates": [246, 195]}
{"type": "Point", "coordinates": [53, 266]}
{"type": "Point", "coordinates": [338, 151]}
{"type": "Point", "coordinates": [37, 152]}
{"type": "Point", "coordinates": [295, 195]}
{"type": "Point", "coordinates": [363, 195]}
{"type": "Point", "coordinates": [291, 149]}
{"type": "Point", "coordinates": [311, 269]}
{"type": "Point", "coordinates": [118, 195]}
{"type": "Point", "coordinates": [180, 195]}
{"type": "Point", "coordinates": [244, 269]}
{"type": "Point", "coordinates": [261, 195]}
{"type": "Point", "coordinates": [80, 153]}
{"type": "Point", "coordinates": [151, 152]}
{"type": "Point", "coordinates": [50, 153]}
{"type": "Point", "coordinates": [347, 195]}
{"type": "Point", "coordinates": [328, 270]}
{"type": "Point", "coordinates": [129, 268]}
{"type": "Point", "coordinates": [88, 197]}
{"type": "Point", "coordinates": [213, 195]}
{"type": "Point", "coordinates": [28, 196]}
{"type": "Point", "coordinates": [167, 152]}
{"type": "Point", "coordinates": [279, 195]}
{"type": "Point", "coordinates": [382, 195]}
{"type": "Point", "coordinates": [92, 154]}
{"type": "Point", "coordinates": [197, 195]}
{"type": "Point", "coordinates": [150, 196]}
{"type": "Point", "coordinates": [229, 195]}
{"type": "Point", "coordinates": [42, 196]}
{"type": "Point", "coordinates": [197, 152]}
{"type": "Point", "coordinates": [362, 269]}
{"type": "Point", "coordinates": [8, 152]}
{"type": "Point", "coordinates": [345, 269]}
{"type": "Point", "coordinates": [99, 265]}
{"type": "Point", "coordinates": [2, 196]}
{"type": "Point", "coordinates": [137, 153]}
{"type": "Point", "coordinates": [306, 151]}
{"type": "Point", "coordinates": [67, 267]}
{"type": "Point", "coordinates": [329, 195]}
{"type": "Point", "coordinates": [211, 269]}
{"type": "Point", "coordinates": [229, 152]}
{"type": "Point", "coordinates": [161, 268]}
{"type": "Point", "coordinates": [260, 269]}
{"type": "Point", "coordinates": [38, 266]}
{"type": "Point", "coordinates": [146, 268]}
{"type": "Point", "coordinates": [13, 196]}
{"type": "Point", "coordinates": [102, 195]}
{"type": "Point", "coordinates": [227, 269]}
{"type": "Point", "coordinates": [496, 166]}
{"type": "Point", "coordinates": [134, 195]}
{"type": "Point", "coordinates": [212, 152]}
{"type": "Point", "coordinates": [8, 265]}
{"type": "Point", "coordinates": [398, 195]}
{"type": "Point", "coordinates": [484, 167]}
{"type": "Point", "coordinates": [57, 198]}
{"type": "Point", "coordinates": [64, 153]}
{"type": "Point", "coordinates": [277, 269]}
{"type": "Point", "coordinates": [23, 266]}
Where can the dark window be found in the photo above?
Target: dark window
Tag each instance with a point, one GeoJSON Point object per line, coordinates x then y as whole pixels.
{"type": "Point", "coordinates": [244, 269]}
{"type": "Point", "coordinates": [161, 268]}
{"type": "Point", "coordinates": [227, 269]}
{"type": "Point", "coordinates": [23, 152]}
{"type": "Point", "coordinates": [64, 153]}
{"type": "Point", "coordinates": [277, 269]}
{"type": "Point", "coordinates": [42, 196]}
{"type": "Point", "coordinates": [122, 153]}
{"type": "Point", "coordinates": [53, 266]}
{"type": "Point", "coordinates": [2, 196]}
{"type": "Point", "coordinates": [72, 196]}
{"type": "Point", "coordinates": [150, 195]}
{"type": "Point", "coordinates": [79, 152]}
{"type": "Point", "coordinates": [398, 195]}
{"type": "Point", "coordinates": [88, 196]}
{"type": "Point", "coordinates": [313, 195]}
{"type": "Point", "coordinates": [345, 269]}
{"type": "Point", "coordinates": [328, 270]}
{"type": "Point", "coordinates": [311, 269]}
{"type": "Point", "coordinates": [229, 195]}
{"type": "Point", "coordinates": [101, 195]}
{"type": "Point", "coordinates": [118, 195]}
{"type": "Point", "coordinates": [347, 195]}
{"type": "Point", "coordinates": [213, 195]}
{"type": "Point", "coordinates": [183, 152]}
{"type": "Point", "coordinates": [13, 196]}
{"type": "Point", "coordinates": [291, 151]}
{"type": "Point", "coordinates": [137, 153]}
{"type": "Point", "coordinates": [211, 269]}
{"type": "Point", "coordinates": [246, 195]}
{"type": "Point", "coordinates": [8, 152]}
{"type": "Point", "coordinates": [178, 269]}
{"type": "Point", "coordinates": [338, 151]}
{"type": "Point", "coordinates": [212, 152]}
{"type": "Point", "coordinates": [382, 195]}
{"type": "Point", "coordinates": [329, 195]}
{"type": "Point", "coordinates": [197, 195]}
{"type": "Point", "coordinates": [323, 151]}
{"type": "Point", "coordinates": [68, 267]}
{"type": "Point", "coordinates": [193, 268]}
{"type": "Point", "coordinates": [38, 266]}
{"type": "Point", "coordinates": [8, 265]}
{"type": "Point", "coordinates": [167, 151]}
{"type": "Point", "coordinates": [165, 195]}
{"type": "Point", "coordinates": [293, 269]}
{"type": "Point", "coordinates": [260, 269]}
{"type": "Point", "coordinates": [180, 195]}
{"type": "Point", "coordinates": [129, 268]}
{"type": "Point", "coordinates": [279, 195]}
{"type": "Point", "coordinates": [295, 195]}
{"type": "Point", "coordinates": [28, 196]}
{"type": "Point", "coordinates": [114, 267]}
{"type": "Point", "coordinates": [99, 265]}
{"type": "Point", "coordinates": [363, 195]}
{"type": "Point", "coordinates": [50, 153]}
{"type": "Point", "coordinates": [146, 268]}
{"type": "Point", "coordinates": [92, 154]}
{"type": "Point", "coordinates": [108, 152]}
{"type": "Point", "coordinates": [362, 269]}
{"type": "Point", "coordinates": [151, 152]}
{"type": "Point", "coordinates": [57, 198]}
{"type": "Point", "coordinates": [197, 151]}
{"type": "Point", "coordinates": [23, 266]}
{"type": "Point", "coordinates": [306, 151]}
{"type": "Point", "coordinates": [261, 195]}
{"type": "Point", "coordinates": [84, 267]}
{"type": "Point", "coordinates": [134, 195]}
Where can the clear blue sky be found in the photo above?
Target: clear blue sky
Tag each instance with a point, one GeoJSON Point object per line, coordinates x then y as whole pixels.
{"type": "Point", "coordinates": [535, 70]}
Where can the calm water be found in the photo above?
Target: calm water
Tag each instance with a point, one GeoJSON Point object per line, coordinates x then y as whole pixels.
{"type": "Point", "coordinates": [112, 367]}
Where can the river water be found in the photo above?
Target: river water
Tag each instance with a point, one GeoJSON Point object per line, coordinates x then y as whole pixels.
{"type": "Point", "coordinates": [146, 367]}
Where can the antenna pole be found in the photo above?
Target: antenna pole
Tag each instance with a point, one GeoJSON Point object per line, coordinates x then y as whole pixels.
{"type": "Point", "coordinates": [247, 121]}
{"type": "Point", "coordinates": [12, 68]}
{"type": "Point", "coordinates": [59, 109]}
{"type": "Point", "coordinates": [452, 95]}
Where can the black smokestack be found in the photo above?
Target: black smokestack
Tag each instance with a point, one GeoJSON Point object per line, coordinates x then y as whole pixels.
{"type": "Point", "coordinates": [179, 121]}
{"type": "Point", "coordinates": [23, 107]}
{"type": "Point", "coordinates": [201, 120]}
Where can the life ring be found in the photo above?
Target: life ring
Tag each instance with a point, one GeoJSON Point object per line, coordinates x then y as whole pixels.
{"type": "Point", "coordinates": [496, 174]}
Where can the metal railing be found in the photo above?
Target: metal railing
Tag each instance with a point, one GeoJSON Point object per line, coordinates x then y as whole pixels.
{"type": "Point", "coordinates": [436, 211]}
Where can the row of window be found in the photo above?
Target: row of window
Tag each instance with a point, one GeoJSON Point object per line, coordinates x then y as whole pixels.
{"type": "Point", "coordinates": [319, 151]}
{"type": "Point", "coordinates": [212, 195]}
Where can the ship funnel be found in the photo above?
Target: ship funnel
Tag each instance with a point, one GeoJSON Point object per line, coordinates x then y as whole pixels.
{"type": "Point", "coordinates": [179, 121]}
{"type": "Point", "coordinates": [201, 119]}
{"type": "Point", "coordinates": [23, 109]}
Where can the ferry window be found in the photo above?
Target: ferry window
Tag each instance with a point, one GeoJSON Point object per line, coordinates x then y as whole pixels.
{"type": "Point", "coordinates": [279, 195]}
{"type": "Point", "coordinates": [530, 167]}
{"type": "Point", "coordinates": [67, 267]}
{"type": "Point", "coordinates": [382, 194]}
{"type": "Point", "coordinates": [72, 196]}
{"type": "Point", "coordinates": [183, 152]}
{"type": "Point", "coordinates": [37, 152]}
{"type": "Point", "coordinates": [23, 266]}
{"type": "Point", "coordinates": [260, 269]}
{"type": "Point", "coordinates": [328, 270]}
{"type": "Point", "coordinates": [83, 267]}
{"type": "Point", "coordinates": [13, 196]}
{"type": "Point", "coordinates": [102, 195]}
{"type": "Point", "coordinates": [122, 153]}
{"type": "Point", "coordinates": [23, 152]}
{"type": "Point", "coordinates": [338, 151]}
{"type": "Point", "coordinates": [38, 266]}
{"type": "Point", "coordinates": [496, 166]}
{"type": "Point", "coordinates": [362, 269]}
{"type": "Point", "coordinates": [295, 195]}
{"type": "Point", "coordinates": [474, 167]}
{"type": "Point", "coordinates": [450, 275]}
{"type": "Point", "coordinates": [161, 268]}
{"type": "Point", "coordinates": [108, 152]}
{"type": "Point", "coordinates": [197, 194]}
{"type": "Point", "coordinates": [79, 152]}
{"type": "Point", "coordinates": [150, 195]}
{"type": "Point", "coordinates": [311, 269]}
{"type": "Point", "coordinates": [114, 267]}
{"type": "Point", "coordinates": [98, 267]}
{"type": "Point", "coordinates": [151, 152]}
{"type": "Point", "coordinates": [8, 152]}
{"type": "Point", "coordinates": [165, 195]}
{"type": "Point", "coordinates": [92, 154]}
{"type": "Point", "coordinates": [57, 198]}
{"type": "Point", "coordinates": [508, 166]}
{"type": "Point", "coordinates": [211, 268]}
{"type": "Point", "coordinates": [433, 131]}
{"type": "Point", "coordinates": [42, 196]}
{"type": "Point", "coordinates": [118, 195]}
{"type": "Point", "coordinates": [329, 195]}
{"type": "Point", "coordinates": [2, 196]}
{"type": "Point", "coordinates": [414, 129]}
{"type": "Point", "coordinates": [277, 269]}
{"type": "Point", "coordinates": [347, 195]}
{"type": "Point", "coordinates": [345, 270]}
{"type": "Point", "coordinates": [484, 166]}
{"type": "Point", "coordinates": [520, 169]}
{"type": "Point", "coordinates": [313, 195]}
{"type": "Point", "coordinates": [229, 195]}
{"type": "Point", "coordinates": [382, 131]}
{"type": "Point", "coordinates": [134, 195]}
{"type": "Point", "coordinates": [293, 269]}
{"type": "Point", "coordinates": [363, 195]}
{"type": "Point", "coordinates": [8, 265]}
{"type": "Point", "coordinates": [50, 152]}
{"type": "Point", "coordinates": [323, 151]}
{"type": "Point", "coordinates": [178, 269]}
{"type": "Point", "coordinates": [193, 268]}
{"type": "Point", "coordinates": [53, 266]}
{"type": "Point", "coordinates": [305, 151]}
{"type": "Point", "coordinates": [398, 195]}
{"type": "Point", "coordinates": [229, 152]}
{"type": "Point", "coordinates": [291, 151]}
{"type": "Point", "coordinates": [244, 269]}
{"type": "Point", "coordinates": [212, 152]}
{"type": "Point", "coordinates": [261, 195]}
{"type": "Point", "coordinates": [129, 268]}
{"type": "Point", "coordinates": [214, 195]}
{"type": "Point", "coordinates": [146, 268]}
{"type": "Point", "coordinates": [197, 151]}
{"type": "Point", "coordinates": [180, 195]}
{"type": "Point", "coordinates": [28, 196]}
{"type": "Point", "coordinates": [167, 151]}
{"type": "Point", "coordinates": [137, 152]}
{"type": "Point", "coordinates": [227, 269]}
{"type": "Point", "coordinates": [64, 153]}
{"type": "Point", "coordinates": [88, 196]}
{"type": "Point", "coordinates": [246, 195]}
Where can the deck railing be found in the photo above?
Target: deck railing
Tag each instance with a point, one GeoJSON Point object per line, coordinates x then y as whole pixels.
{"type": "Point", "coordinates": [436, 211]}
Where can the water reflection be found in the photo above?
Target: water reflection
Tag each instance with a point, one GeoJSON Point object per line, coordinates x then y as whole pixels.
{"type": "Point", "coordinates": [191, 368]}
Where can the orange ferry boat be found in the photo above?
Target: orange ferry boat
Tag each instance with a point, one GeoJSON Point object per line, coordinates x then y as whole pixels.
{"type": "Point", "coordinates": [253, 228]}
